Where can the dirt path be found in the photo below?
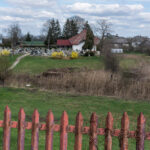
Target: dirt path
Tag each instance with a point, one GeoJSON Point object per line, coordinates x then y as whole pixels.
{"type": "Point", "coordinates": [17, 61]}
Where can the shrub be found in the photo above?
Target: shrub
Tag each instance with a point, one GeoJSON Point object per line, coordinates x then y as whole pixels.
{"type": "Point", "coordinates": [86, 54]}
{"type": "Point", "coordinates": [4, 69]}
{"type": "Point", "coordinates": [111, 61]}
{"type": "Point", "coordinates": [91, 53]}
{"type": "Point", "coordinates": [74, 55]}
{"type": "Point", "coordinates": [5, 52]}
{"type": "Point", "coordinates": [57, 54]}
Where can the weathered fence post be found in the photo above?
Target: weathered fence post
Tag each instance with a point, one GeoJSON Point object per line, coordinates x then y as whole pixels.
{"type": "Point", "coordinates": [93, 144]}
{"type": "Point", "coordinates": [6, 129]}
{"type": "Point", "coordinates": [108, 132]}
{"type": "Point", "coordinates": [21, 129]}
{"type": "Point", "coordinates": [78, 132]}
{"type": "Point", "coordinates": [35, 130]}
{"type": "Point", "coordinates": [49, 131]}
{"type": "Point", "coordinates": [63, 131]}
{"type": "Point", "coordinates": [140, 132]}
{"type": "Point", "coordinates": [124, 132]}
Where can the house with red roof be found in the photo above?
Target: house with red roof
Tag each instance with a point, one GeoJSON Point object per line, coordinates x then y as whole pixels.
{"type": "Point", "coordinates": [76, 42]}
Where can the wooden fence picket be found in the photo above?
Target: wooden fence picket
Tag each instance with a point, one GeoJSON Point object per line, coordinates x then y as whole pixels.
{"type": "Point", "coordinates": [140, 132]}
{"type": "Point", "coordinates": [124, 132]}
{"type": "Point", "coordinates": [108, 132]}
{"type": "Point", "coordinates": [49, 131]}
{"type": "Point", "coordinates": [6, 129]}
{"type": "Point", "coordinates": [21, 129]}
{"type": "Point", "coordinates": [93, 143]}
{"type": "Point", "coordinates": [63, 131]}
{"type": "Point", "coordinates": [78, 132]}
{"type": "Point", "coordinates": [35, 130]}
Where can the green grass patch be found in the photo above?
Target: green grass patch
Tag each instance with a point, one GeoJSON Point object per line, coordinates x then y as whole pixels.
{"type": "Point", "coordinates": [128, 63]}
{"type": "Point", "coordinates": [43, 101]}
{"type": "Point", "coordinates": [12, 58]}
{"type": "Point", "coordinates": [35, 64]}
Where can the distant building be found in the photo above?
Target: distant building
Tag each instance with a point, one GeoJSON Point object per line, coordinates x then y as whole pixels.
{"type": "Point", "coordinates": [119, 42]}
{"type": "Point", "coordinates": [117, 50]}
{"type": "Point", "coordinates": [76, 42]}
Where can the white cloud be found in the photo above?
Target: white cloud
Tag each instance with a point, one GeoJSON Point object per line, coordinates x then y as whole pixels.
{"type": "Point", "coordinates": [31, 14]}
{"type": "Point", "coordinates": [104, 9]}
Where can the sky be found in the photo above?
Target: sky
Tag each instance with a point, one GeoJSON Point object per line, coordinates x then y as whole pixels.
{"type": "Point", "coordinates": [128, 17]}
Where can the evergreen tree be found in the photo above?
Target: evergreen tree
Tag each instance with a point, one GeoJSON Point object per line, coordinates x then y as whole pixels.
{"type": "Point", "coordinates": [66, 30]}
{"type": "Point", "coordinates": [28, 37]}
{"type": "Point", "coordinates": [73, 28]}
{"type": "Point", "coordinates": [89, 42]}
{"type": "Point", "coordinates": [57, 30]}
{"type": "Point", "coordinates": [54, 32]}
{"type": "Point", "coordinates": [70, 29]}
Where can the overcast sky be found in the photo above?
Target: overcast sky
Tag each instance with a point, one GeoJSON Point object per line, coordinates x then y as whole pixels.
{"type": "Point", "coordinates": [129, 17]}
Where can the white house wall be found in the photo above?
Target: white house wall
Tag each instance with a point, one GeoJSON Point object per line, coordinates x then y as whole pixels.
{"type": "Point", "coordinates": [79, 47]}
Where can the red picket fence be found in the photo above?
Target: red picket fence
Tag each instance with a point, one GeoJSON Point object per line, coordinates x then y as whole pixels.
{"type": "Point", "coordinates": [64, 128]}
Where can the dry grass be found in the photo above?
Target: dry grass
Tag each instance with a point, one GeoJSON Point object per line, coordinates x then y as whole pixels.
{"type": "Point", "coordinates": [97, 83]}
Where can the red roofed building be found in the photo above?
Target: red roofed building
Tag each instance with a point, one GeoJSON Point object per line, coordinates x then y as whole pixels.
{"type": "Point", "coordinates": [76, 42]}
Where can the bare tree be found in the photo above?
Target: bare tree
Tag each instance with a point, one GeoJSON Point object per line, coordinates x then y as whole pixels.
{"type": "Point", "coordinates": [14, 32]}
{"type": "Point", "coordinates": [103, 29]}
{"type": "Point", "coordinates": [79, 21]}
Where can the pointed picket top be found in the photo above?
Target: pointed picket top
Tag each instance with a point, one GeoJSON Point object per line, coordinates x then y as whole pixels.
{"type": "Point", "coordinates": [36, 116]}
{"type": "Point", "coordinates": [94, 118]}
{"type": "Point", "coordinates": [21, 113]}
{"type": "Point", "coordinates": [141, 118]}
{"type": "Point", "coordinates": [64, 117]}
{"type": "Point", "coordinates": [79, 118]}
{"type": "Point", "coordinates": [125, 121]}
{"type": "Point", "coordinates": [109, 121]}
{"type": "Point", "coordinates": [50, 116]}
{"type": "Point", "coordinates": [7, 109]}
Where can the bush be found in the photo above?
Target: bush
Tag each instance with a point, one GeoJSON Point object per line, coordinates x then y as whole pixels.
{"type": "Point", "coordinates": [74, 55]}
{"type": "Point", "coordinates": [111, 61]}
{"type": "Point", "coordinates": [86, 54]}
{"type": "Point", "coordinates": [57, 55]}
{"type": "Point", "coordinates": [91, 53]}
{"type": "Point", "coordinates": [4, 69]}
{"type": "Point", "coordinates": [5, 52]}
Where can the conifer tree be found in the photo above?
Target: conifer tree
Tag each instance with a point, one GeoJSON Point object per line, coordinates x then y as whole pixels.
{"type": "Point", "coordinates": [54, 32]}
{"type": "Point", "coordinates": [89, 42]}
{"type": "Point", "coordinates": [28, 37]}
{"type": "Point", "coordinates": [70, 29]}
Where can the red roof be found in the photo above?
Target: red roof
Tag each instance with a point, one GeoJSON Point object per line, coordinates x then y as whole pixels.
{"type": "Point", "coordinates": [63, 43]}
{"type": "Point", "coordinates": [77, 39]}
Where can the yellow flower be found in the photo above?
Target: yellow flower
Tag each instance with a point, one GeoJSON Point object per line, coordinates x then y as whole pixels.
{"type": "Point", "coordinates": [74, 55]}
{"type": "Point", "coordinates": [5, 52]}
{"type": "Point", "coordinates": [57, 54]}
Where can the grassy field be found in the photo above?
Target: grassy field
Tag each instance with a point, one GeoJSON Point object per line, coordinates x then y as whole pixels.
{"type": "Point", "coordinates": [43, 101]}
{"type": "Point", "coordinates": [35, 65]}
{"type": "Point", "coordinates": [12, 59]}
